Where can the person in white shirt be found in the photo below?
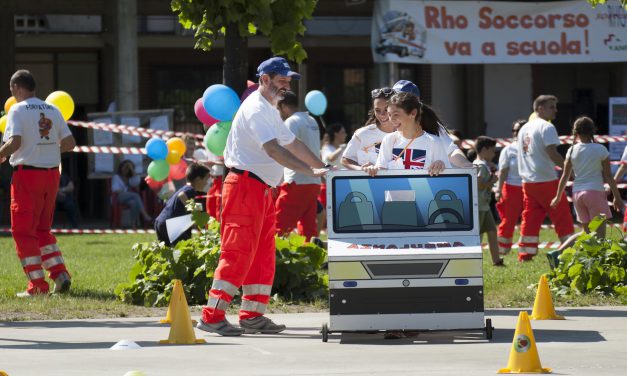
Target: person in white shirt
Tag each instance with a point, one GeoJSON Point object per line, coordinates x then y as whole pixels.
{"type": "Point", "coordinates": [416, 144]}
{"type": "Point", "coordinates": [509, 195]}
{"type": "Point", "coordinates": [363, 148]}
{"type": "Point", "coordinates": [537, 157]}
{"type": "Point", "coordinates": [124, 185]}
{"type": "Point", "coordinates": [591, 164]}
{"type": "Point", "coordinates": [36, 134]}
{"type": "Point", "coordinates": [334, 144]}
{"type": "Point", "coordinates": [620, 173]}
{"type": "Point", "coordinates": [296, 204]}
{"type": "Point", "coordinates": [258, 147]}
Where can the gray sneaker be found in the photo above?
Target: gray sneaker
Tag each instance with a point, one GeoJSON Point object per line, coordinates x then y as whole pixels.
{"type": "Point", "coordinates": [62, 283]}
{"type": "Point", "coordinates": [223, 328]}
{"type": "Point", "coordinates": [260, 324]}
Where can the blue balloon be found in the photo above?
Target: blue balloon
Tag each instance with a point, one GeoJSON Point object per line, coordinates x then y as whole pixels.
{"type": "Point", "coordinates": [316, 102]}
{"type": "Point", "coordinates": [156, 149]}
{"type": "Point", "coordinates": [221, 102]}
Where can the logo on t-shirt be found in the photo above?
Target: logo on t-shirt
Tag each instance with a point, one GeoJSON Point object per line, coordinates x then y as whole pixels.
{"type": "Point", "coordinates": [377, 146]}
{"type": "Point", "coordinates": [45, 125]}
{"type": "Point", "coordinates": [413, 159]}
{"type": "Point", "coordinates": [526, 142]}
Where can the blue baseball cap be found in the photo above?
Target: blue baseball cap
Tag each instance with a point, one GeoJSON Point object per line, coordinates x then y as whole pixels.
{"type": "Point", "coordinates": [406, 87]}
{"type": "Point", "coordinates": [277, 65]}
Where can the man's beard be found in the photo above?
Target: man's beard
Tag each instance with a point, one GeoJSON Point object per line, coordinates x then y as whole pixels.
{"type": "Point", "coordinates": [276, 92]}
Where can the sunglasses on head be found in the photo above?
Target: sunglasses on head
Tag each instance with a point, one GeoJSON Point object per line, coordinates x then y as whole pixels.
{"type": "Point", "coordinates": [385, 92]}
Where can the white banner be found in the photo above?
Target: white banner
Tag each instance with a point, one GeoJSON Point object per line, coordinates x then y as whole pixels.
{"type": "Point", "coordinates": [485, 32]}
{"type": "Point", "coordinates": [618, 125]}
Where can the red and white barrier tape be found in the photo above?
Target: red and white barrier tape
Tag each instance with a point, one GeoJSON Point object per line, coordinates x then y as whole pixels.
{"type": "Point", "coordinates": [7, 230]}
{"type": "Point", "coordinates": [502, 142]}
{"type": "Point", "coordinates": [545, 245]}
{"type": "Point", "coordinates": [134, 131]}
{"type": "Point", "coordinates": [109, 150]}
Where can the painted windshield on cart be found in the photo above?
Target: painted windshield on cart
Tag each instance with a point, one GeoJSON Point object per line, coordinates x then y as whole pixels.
{"type": "Point", "coordinates": [402, 204]}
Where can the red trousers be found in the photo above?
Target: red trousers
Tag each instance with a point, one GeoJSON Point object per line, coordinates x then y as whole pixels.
{"type": "Point", "coordinates": [509, 207]}
{"type": "Point", "coordinates": [33, 199]}
{"type": "Point", "coordinates": [296, 206]}
{"type": "Point", "coordinates": [248, 250]}
{"type": "Point", "coordinates": [213, 198]}
{"type": "Point", "coordinates": [537, 204]}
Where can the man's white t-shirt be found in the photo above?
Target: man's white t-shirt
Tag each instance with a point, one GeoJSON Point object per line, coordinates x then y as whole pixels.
{"type": "Point", "coordinates": [256, 122]}
{"type": "Point", "coordinates": [307, 131]}
{"type": "Point", "coordinates": [587, 164]}
{"type": "Point", "coordinates": [509, 159]}
{"type": "Point", "coordinates": [534, 163]}
{"type": "Point", "coordinates": [41, 127]}
{"type": "Point", "coordinates": [365, 144]}
{"type": "Point", "coordinates": [420, 154]}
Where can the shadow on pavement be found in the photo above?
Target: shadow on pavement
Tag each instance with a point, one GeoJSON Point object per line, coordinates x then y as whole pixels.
{"type": "Point", "coordinates": [18, 344]}
{"type": "Point", "coordinates": [579, 312]}
{"type": "Point", "coordinates": [81, 324]}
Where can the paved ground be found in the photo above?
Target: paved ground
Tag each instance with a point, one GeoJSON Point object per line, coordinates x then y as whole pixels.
{"type": "Point", "coordinates": [592, 341]}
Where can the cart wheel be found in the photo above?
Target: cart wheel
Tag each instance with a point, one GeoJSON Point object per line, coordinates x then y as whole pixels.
{"type": "Point", "coordinates": [488, 328]}
{"type": "Point", "coordinates": [325, 332]}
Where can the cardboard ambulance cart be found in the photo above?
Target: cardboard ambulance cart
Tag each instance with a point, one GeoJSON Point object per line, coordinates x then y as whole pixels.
{"type": "Point", "coordinates": [404, 252]}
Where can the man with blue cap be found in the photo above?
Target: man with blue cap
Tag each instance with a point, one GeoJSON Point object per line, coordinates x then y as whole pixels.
{"type": "Point", "coordinates": [258, 147]}
{"type": "Point", "coordinates": [456, 156]}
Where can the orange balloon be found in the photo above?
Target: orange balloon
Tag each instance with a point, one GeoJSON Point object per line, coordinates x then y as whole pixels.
{"type": "Point", "coordinates": [10, 102]}
{"type": "Point", "coordinates": [176, 144]}
{"type": "Point", "coordinates": [173, 157]}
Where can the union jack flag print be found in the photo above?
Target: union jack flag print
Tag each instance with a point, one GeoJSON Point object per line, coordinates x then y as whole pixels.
{"type": "Point", "coordinates": [412, 159]}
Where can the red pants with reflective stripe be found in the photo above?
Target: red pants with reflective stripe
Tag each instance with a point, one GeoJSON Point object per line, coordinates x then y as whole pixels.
{"type": "Point", "coordinates": [248, 248]}
{"type": "Point", "coordinates": [296, 206]}
{"type": "Point", "coordinates": [509, 207]}
{"type": "Point", "coordinates": [33, 199]}
{"type": "Point", "coordinates": [213, 198]}
{"type": "Point", "coordinates": [537, 204]}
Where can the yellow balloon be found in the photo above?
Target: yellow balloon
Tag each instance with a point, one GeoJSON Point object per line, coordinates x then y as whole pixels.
{"type": "Point", "coordinates": [63, 101]}
{"type": "Point", "coordinates": [176, 144]}
{"type": "Point", "coordinates": [3, 123]}
{"type": "Point", "coordinates": [10, 102]}
{"type": "Point", "coordinates": [173, 157]}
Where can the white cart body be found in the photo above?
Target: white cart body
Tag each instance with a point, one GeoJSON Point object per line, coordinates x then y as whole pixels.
{"type": "Point", "coordinates": [404, 251]}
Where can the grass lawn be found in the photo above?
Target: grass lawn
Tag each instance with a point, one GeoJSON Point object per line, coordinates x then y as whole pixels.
{"type": "Point", "coordinates": [99, 262]}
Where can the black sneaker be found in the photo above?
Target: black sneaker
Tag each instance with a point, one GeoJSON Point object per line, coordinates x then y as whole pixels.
{"type": "Point", "coordinates": [223, 328]}
{"type": "Point", "coordinates": [62, 283]}
{"type": "Point", "coordinates": [260, 324]}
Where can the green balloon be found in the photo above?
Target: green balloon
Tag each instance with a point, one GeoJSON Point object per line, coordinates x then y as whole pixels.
{"type": "Point", "coordinates": [215, 139]}
{"type": "Point", "coordinates": [159, 170]}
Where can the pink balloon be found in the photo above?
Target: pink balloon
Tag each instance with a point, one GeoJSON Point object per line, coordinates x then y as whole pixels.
{"type": "Point", "coordinates": [249, 83]}
{"type": "Point", "coordinates": [177, 171]}
{"type": "Point", "coordinates": [251, 89]}
{"type": "Point", "coordinates": [202, 115]}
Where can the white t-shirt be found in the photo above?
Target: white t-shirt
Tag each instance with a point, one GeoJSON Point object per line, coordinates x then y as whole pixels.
{"type": "Point", "coordinates": [534, 163]}
{"type": "Point", "coordinates": [446, 141]}
{"type": "Point", "coordinates": [118, 185]}
{"type": "Point", "coordinates": [623, 158]}
{"type": "Point", "coordinates": [306, 130]}
{"type": "Point", "coordinates": [256, 122]}
{"type": "Point", "coordinates": [365, 144]}
{"type": "Point", "coordinates": [41, 127]}
{"type": "Point", "coordinates": [420, 154]}
{"type": "Point", "coordinates": [327, 150]}
{"type": "Point", "coordinates": [509, 159]}
{"type": "Point", "coordinates": [587, 164]}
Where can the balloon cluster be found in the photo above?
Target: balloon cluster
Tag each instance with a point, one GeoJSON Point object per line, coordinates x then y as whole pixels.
{"type": "Point", "coordinates": [216, 109]}
{"type": "Point", "coordinates": [167, 161]}
{"type": "Point", "coordinates": [60, 99]}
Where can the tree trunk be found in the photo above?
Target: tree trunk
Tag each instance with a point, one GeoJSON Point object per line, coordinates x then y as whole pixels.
{"type": "Point", "coordinates": [235, 59]}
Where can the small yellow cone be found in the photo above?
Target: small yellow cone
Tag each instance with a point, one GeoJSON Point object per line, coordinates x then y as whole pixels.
{"type": "Point", "coordinates": [523, 357]}
{"type": "Point", "coordinates": [2, 373]}
{"type": "Point", "coordinates": [177, 290]}
{"type": "Point", "coordinates": [181, 330]}
{"type": "Point", "coordinates": [543, 306]}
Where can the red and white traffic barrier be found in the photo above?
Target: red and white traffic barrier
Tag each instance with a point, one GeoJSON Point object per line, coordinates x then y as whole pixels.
{"type": "Point", "coordinates": [133, 131]}
{"type": "Point", "coordinates": [7, 230]}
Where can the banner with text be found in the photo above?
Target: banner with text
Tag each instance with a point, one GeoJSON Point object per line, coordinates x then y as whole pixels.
{"type": "Point", "coordinates": [483, 32]}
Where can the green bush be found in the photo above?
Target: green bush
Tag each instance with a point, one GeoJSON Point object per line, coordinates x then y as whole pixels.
{"type": "Point", "coordinates": [592, 265]}
{"type": "Point", "coordinates": [298, 269]}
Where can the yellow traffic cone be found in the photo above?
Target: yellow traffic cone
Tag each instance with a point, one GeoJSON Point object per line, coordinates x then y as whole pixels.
{"type": "Point", "coordinates": [177, 290]}
{"type": "Point", "coordinates": [181, 330]}
{"type": "Point", "coordinates": [523, 357]}
{"type": "Point", "coordinates": [543, 306]}
{"type": "Point", "coordinates": [2, 373]}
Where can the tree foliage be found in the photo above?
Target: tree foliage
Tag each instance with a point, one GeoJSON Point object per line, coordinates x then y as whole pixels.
{"type": "Point", "coordinates": [279, 20]}
{"type": "Point", "coordinates": [594, 3]}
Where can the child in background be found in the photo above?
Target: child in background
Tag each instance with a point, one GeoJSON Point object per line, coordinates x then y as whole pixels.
{"type": "Point", "coordinates": [197, 177]}
{"type": "Point", "coordinates": [591, 164]}
{"type": "Point", "coordinates": [486, 150]}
